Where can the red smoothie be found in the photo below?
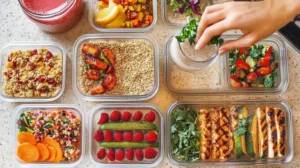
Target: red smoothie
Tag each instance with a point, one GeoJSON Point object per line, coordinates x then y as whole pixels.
{"type": "Point", "coordinates": [44, 5]}
{"type": "Point", "coordinates": [53, 16]}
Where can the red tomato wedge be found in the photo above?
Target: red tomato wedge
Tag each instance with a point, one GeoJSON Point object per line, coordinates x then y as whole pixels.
{"type": "Point", "coordinates": [269, 52]}
{"type": "Point", "coordinates": [263, 71]}
{"type": "Point", "coordinates": [242, 64]}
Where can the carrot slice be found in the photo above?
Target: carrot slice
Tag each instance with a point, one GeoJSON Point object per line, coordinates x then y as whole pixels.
{"type": "Point", "coordinates": [52, 154]}
{"type": "Point", "coordinates": [43, 150]}
{"type": "Point", "coordinates": [26, 137]}
{"type": "Point", "coordinates": [56, 146]}
{"type": "Point", "coordinates": [27, 152]}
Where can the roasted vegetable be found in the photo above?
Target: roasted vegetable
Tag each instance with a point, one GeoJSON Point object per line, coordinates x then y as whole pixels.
{"type": "Point", "coordinates": [95, 63]}
{"type": "Point", "coordinates": [109, 55]}
{"type": "Point", "coordinates": [90, 50]}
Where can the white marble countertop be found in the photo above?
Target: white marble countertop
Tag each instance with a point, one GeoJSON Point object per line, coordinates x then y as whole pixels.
{"type": "Point", "coordinates": [15, 26]}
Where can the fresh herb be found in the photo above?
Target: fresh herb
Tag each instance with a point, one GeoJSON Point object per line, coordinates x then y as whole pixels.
{"type": "Point", "coordinates": [47, 89]}
{"type": "Point", "coordinates": [66, 121]}
{"type": "Point", "coordinates": [87, 66]}
{"type": "Point", "coordinates": [101, 74]}
{"type": "Point", "coordinates": [48, 124]}
{"type": "Point", "coordinates": [242, 127]}
{"type": "Point", "coordinates": [270, 80]}
{"type": "Point", "coordinates": [102, 57]}
{"type": "Point", "coordinates": [25, 129]}
{"type": "Point", "coordinates": [184, 134]}
{"type": "Point", "coordinates": [73, 135]}
{"type": "Point", "coordinates": [27, 120]}
{"type": "Point", "coordinates": [190, 32]}
{"type": "Point", "coordinates": [188, 7]}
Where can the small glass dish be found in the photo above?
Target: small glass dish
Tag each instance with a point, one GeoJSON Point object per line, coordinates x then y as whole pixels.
{"type": "Point", "coordinates": [117, 39]}
{"type": "Point", "coordinates": [187, 58]}
{"type": "Point", "coordinates": [94, 115]}
{"type": "Point", "coordinates": [8, 48]}
{"type": "Point", "coordinates": [251, 105]}
{"type": "Point", "coordinates": [45, 107]}
{"type": "Point", "coordinates": [93, 9]}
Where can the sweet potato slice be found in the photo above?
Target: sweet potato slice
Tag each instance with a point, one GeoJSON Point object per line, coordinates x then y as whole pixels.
{"type": "Point", "coordinates": [26, 137]}
{"type": "Point", "coordinates": [28, 152]}
{"type": "Point", "coordinates": [52, 154]}
{"type": "Point", "coordinates": [56, 146]}
{"type": "Point", "coordinates": [43, 150]}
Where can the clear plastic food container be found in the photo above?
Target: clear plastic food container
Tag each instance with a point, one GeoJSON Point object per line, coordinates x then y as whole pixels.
{"type": "Point", "coordinates": [215, 79]}
{"type": "Point", "coordinates": [120, 39]}
{"type": "Point", "coordinates": [45, 107]}
{"type": "Point", "coordinates": [251, 105]}
{"type": "Point", "coordinates": [93, 9]}
{"type": "Point", "coordinates": [177, 20]}
{"type": "Point", "coordinates": [94, 116]}
{"type": "Point", "coordinates": [8, 48]}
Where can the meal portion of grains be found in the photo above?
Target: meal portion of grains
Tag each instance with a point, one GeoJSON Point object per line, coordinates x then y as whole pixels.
{"type": "Point", "coordinates": [134, 68]}
{"type": "Point", "coordinates": [33, 73]}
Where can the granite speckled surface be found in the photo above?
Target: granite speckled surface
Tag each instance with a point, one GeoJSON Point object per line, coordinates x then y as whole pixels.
{"type": "Point", "coordinates": [14, 26]}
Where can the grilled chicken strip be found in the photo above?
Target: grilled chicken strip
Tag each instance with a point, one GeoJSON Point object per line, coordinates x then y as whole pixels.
{"type": "Point", "coordinates": [204, 127]}
{"type": "Point", "coordinates": [280, 127]}
{"type": "Point", "coordinates": [226, 141]}
{"type": "Point", "coordinates": [272, 133]}
{"type": "Point", "coordinates": [262, 133]}
{"type": "Point", "coordinates": [217, 132]}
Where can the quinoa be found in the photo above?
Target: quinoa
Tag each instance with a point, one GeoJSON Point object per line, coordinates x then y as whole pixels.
{"type": "Point", "coordinates": [134, 67]}
{"type": "Point", "coordinates": [33, 73]}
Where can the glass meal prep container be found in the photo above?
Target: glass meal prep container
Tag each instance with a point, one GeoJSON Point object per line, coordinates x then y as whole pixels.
{"type": "Point", "coordinates": [93, 8]}
{"type": "Point", "coordinates": [94, 146]}
{"type": "Point", "coordinates": [11, 47]}
{"type": "Point", "coordinates": [177, 20]}
{"type": "Point", "coordinates": [215, 78]}
{"type": "Point", "coordinates": [35, 108]}
{"type": "Point", "coordinates": [251, 105]}
{"type": "Point", "coordinates": [151, 66]}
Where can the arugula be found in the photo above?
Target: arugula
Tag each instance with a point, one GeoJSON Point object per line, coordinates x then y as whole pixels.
{"type": "Point", "coordinates": [270, 80]}
{"type": "Point", "coordinates": [184, 134]}
{"type": "Point", "coordinates": [190, 32]}
{"type": "Point", "coordinates": [242, 127]}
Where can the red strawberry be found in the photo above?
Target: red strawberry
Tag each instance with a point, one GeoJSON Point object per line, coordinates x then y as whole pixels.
{"type": "Point", "coordinates": [150, 116]}
{"type": "Point", "coordinates": [126, 116]}
{"type": "Point", "coordinates": [103, 118]}
{"type": "Point", "coordinates": [151, 137]}
{"type": "Point", "coordinates": [115, 116]}
{"type": "Point", "coordinates": [139, 155]}
{"type": "Point", "coordinates": [120, 154]}
{"type": "Point", "coordinates": [110, 153]}
{"type": "Point", "coordinates": [98, 136]}
{"type": "Point", "coordinates": [129, 153]}
{"type": "Point", "coordinates": [150, 153]}
{"type": "Point", "coordinates": [137, 116]}
{"type": "Point", "coordinates": [127, 136]}
{"type": "Point", "coordinates": [118, 136]}
{"type": "Point", "coordinates": [101, 154]}
{"type": "Point", "coordinates": [108, 136]}
{"type": "Point", "coordinates": [138, 136]}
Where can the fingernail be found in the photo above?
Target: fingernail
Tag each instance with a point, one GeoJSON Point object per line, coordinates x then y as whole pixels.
{"type": "Point", "coordinates": [221, 52]}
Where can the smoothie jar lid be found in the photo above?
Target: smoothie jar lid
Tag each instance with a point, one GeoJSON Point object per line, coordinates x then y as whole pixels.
{"type": "Point", "coordinates": [56, 11]}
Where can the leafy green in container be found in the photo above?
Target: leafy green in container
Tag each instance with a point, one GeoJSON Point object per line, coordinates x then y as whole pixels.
{"type": "Point", "coordinates": [184, 134]}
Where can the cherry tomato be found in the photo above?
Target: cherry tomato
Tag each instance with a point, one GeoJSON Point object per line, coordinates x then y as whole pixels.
{"type": "Point", "coordinates": [252, 77]}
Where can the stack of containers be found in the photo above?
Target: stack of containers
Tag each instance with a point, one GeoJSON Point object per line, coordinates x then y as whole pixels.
{"type": "Point", "coordinates": [191, 80]}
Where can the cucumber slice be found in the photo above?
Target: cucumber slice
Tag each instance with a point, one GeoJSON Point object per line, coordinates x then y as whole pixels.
{"type": "Point", "coordinates": [128, 126]}
{"type": "Point", "coordinates": [250, 61]}
{"type": "Point", "coordinates": [251, 136]}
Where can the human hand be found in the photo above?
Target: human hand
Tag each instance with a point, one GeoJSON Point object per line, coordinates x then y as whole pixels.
{"type": "Point", "coordinates": [256, 20]}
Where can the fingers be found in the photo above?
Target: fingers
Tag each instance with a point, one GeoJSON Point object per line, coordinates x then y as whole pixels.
{"type": "Point", "coordinates": [208, 20]}
{"type": "Point", "coordinates": [244, 41]}
{"type": "Point", "coordinates": [213, 30]}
